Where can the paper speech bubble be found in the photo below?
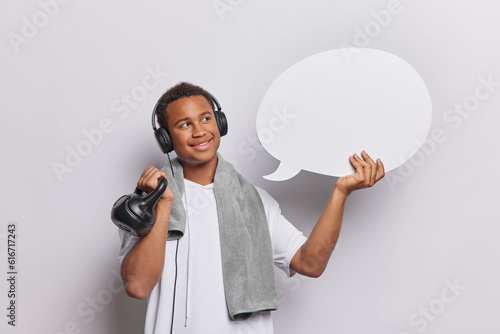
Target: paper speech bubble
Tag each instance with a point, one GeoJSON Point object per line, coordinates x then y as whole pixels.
{"type": "Point", "coordinates": [323, 109]}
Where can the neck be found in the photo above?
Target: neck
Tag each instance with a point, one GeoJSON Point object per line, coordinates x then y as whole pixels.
{"type": "Point", "coordinates": [202, 174]}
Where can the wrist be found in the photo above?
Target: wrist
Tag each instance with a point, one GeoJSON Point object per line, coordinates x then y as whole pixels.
{"type": "Point", "coordinates": [340, 192]}
{"type": "Point", "coordinates": [164, 204]}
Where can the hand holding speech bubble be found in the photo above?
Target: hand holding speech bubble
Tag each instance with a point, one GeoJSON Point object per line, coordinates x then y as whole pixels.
{"type": "Point", "coordinates": [323, 109]}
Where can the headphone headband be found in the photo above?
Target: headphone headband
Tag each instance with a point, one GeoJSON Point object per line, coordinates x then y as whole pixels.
{"type": "Point", "coordinates": [153, 117]}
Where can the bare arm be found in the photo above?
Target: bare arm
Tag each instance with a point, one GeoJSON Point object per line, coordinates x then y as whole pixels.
{"type": "Point", "coordinates": [311, 259]}
{"type": "Point", "coordinates": [143, 265]}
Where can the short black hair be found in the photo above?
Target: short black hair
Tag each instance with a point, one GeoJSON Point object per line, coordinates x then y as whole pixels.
{"type": "Point", "coordinates": [179, 91]}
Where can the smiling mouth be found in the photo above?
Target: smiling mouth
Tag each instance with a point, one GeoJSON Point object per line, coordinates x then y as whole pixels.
{"type": "Point", "coordinates": [202, 144]}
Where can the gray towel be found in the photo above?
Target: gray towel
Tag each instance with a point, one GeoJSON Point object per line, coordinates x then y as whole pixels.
{"type": "Point", "coordinates": [247, 258]}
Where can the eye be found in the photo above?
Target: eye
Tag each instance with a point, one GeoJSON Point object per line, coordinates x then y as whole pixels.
{"type": "Point", "coordinates": [184, 125]}
{"type": "Point", "coordinates": [205, 119]}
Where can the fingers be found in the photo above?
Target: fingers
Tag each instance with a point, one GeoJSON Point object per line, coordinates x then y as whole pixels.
{"type": "Point", "coordinates": [364, 171]}
{"type": "Point", "coordinates": [356, 164]}
{"type": "Point", "coordinates": [380, 170]}
{"type": "Point", "coordinates": [372, 170]}
{"type": "Point", "coordinates": [367, 170]}
{"type": "Point", "coordinates": [149, 179]}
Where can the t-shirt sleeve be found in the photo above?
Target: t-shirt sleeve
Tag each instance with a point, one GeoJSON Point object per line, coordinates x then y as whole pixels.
{"type": "Point", "coordinates": [128, 240]}
{"type": "Point", "coordinates": [285, 238]}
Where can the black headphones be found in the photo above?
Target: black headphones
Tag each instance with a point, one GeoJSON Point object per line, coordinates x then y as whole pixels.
{"type": "Point", "coordinates": [163, 138]}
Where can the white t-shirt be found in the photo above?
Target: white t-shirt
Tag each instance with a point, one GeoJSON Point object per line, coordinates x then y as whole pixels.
{"type": "Point", "coordinates": [200, 305]}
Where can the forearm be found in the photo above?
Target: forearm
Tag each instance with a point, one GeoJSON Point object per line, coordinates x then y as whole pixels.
{"type": "Point", "coordinates": [313, 256]}
{"type": "Point", "coordinates": [143, 265]}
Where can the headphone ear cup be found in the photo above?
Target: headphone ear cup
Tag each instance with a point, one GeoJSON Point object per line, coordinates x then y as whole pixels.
{"type": "Point", "coordinates": [221, 122]}
{"type": "Point", "coordinates": [163, 140]}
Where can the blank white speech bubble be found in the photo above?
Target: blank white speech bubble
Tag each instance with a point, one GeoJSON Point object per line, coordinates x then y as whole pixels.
{"type": "Point", "coordinates": [325, 108]}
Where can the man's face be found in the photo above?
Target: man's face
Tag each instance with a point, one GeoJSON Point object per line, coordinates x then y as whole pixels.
{"type": "Point", "coordinates": [193, 130]}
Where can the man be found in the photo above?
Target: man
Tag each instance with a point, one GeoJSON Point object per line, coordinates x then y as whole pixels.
{"type": "Point", "coordinates": [216, 278]}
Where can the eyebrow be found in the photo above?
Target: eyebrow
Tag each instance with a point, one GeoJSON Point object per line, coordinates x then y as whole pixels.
{"type": "Point", "coordinates": [187, 118]}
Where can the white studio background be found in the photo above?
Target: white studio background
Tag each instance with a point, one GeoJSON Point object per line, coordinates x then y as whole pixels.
{"type": "Point", "coordinates": [417, 253]}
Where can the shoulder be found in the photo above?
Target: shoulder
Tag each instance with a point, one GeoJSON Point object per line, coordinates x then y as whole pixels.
{"type": "Point", "coordinates": [271, 206]}
{"type": "Point", "coordinates": [264, 195]}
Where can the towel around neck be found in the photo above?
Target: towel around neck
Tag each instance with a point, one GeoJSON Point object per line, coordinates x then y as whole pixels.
{"type": "Point", "coordinates": [246, 250]}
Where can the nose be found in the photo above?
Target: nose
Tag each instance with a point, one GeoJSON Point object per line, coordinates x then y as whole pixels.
{"type": "Point", "coordinates": [198, 130]}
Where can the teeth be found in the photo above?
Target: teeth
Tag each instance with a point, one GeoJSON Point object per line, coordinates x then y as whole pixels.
{"type": "Point", "coordinates": [201, 144]}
